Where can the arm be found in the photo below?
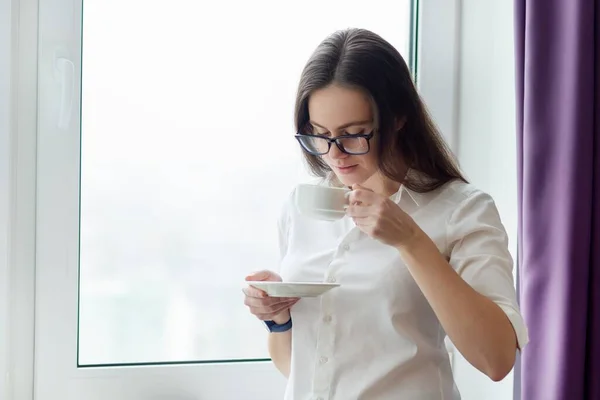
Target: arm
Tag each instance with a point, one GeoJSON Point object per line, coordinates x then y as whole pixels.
{"type": "Point", "coordinates": [471, 290]}
{"type": "Point", "coordinates": [478, 327]}
{"type": "Point", "coordinates": [280, 346]}
{"type": "Point", "coordinates": [472, 293]}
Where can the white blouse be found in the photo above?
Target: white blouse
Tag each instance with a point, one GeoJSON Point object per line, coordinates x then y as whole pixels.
{"type": "Point", "coordinates": [376, 336]}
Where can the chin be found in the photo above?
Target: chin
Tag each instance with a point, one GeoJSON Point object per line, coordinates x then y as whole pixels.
{"type": "Point", "coordinates": [350, 180]}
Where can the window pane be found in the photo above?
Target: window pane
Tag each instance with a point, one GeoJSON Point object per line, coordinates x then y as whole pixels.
{"type": "Point", "coordinates": [188, 154]}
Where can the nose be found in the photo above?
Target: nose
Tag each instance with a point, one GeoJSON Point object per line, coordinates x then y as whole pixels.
{"type": "Point", "coordinates": [335, 152]}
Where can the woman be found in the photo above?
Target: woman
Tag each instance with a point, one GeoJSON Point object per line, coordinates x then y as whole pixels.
{"type": "Point", "coordinates": [420, 254]}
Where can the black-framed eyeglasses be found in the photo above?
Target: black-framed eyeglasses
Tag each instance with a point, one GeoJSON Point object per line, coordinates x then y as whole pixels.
{"type": "Point", "coordinates": [319, 145]}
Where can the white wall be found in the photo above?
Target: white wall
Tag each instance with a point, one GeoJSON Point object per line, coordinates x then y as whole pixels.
{"type": "Point", "coordinates": [5, 50]}
{"type": "Point", "coordinates": [487, 138]}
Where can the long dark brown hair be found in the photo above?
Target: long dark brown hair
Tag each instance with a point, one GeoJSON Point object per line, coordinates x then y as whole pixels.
{"type": "Point", "coordinates": [360, 59]}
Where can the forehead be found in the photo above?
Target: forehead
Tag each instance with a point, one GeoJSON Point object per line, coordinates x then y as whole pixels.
{"type": "Point", "coordinates": [335, 105]}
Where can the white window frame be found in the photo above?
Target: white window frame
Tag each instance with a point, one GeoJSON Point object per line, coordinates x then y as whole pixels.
{"type": "Point", "coordinates": [38, 272]}
{"type": "Point", "coordinates": [438, 57]}
{"type": "Point", "coordinates": [18, 124]}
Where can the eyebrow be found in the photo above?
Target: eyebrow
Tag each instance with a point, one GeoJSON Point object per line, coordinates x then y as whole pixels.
{"type": "Point", "coordinates": [349, 124]}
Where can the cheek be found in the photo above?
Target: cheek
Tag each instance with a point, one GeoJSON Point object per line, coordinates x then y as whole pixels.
{"type": "Point", "coordinates": [370, 162]}
{"type": "Point", "coordinates": [327, 159]}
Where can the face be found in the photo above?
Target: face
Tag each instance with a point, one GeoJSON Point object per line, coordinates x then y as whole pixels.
{"type": "Point", "coordinates": [335, 111]}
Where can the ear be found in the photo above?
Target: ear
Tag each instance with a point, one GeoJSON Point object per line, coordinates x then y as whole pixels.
{"type": "Point", "coordinates": [400, 122]}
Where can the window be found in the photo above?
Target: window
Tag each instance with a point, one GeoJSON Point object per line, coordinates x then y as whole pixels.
{"type": "Point", "coordinates": [165, 152]}
{"type": "Point", "coordinates": [187, 155]}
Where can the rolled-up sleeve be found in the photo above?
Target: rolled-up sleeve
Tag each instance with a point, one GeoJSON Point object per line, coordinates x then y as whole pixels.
{"type": "Point", "coordinates": [478, 251]}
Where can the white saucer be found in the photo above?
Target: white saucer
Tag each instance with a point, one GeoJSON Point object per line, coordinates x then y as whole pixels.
{"type": "Point", "coordinates": [293, 289]}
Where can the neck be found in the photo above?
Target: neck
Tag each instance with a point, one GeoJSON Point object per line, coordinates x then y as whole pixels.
{"type": "Point", "coordinates": [382, 185]}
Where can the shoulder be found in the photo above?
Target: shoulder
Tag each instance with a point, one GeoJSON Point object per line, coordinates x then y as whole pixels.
{"type": "Point", "coordinates": [446, 197]}
{"type": "Point", "coordinates": [469, 209]}
{"type": "Point", "coordinates": [460, 205]}
{"type": "Point", "coordinates": [456, 195]}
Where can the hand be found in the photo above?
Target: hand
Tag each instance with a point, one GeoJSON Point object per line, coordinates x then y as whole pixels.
{"type": "Point", "coordinates": [381, 218]}
{"type": "Point", "coordinates": [267, 308]}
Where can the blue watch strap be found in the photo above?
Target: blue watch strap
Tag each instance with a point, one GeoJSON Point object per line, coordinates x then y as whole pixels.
{"type": "Point", "coordinates": [278, 328]}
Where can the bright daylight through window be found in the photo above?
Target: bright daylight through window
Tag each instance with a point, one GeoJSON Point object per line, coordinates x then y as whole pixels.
{"type": "Point", "coordinates": [188, 154]}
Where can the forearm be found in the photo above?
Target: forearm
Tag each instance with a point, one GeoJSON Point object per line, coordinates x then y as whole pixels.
{"type": "Point", "coordinates": [478, 327]}
{"type": "Point", "coordinates": [280, 350]}
{"type": "Point", "coordinates": [280, 345]}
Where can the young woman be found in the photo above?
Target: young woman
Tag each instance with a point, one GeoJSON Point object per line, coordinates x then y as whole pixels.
{"type": "Point", "coordinates": [420, 255]}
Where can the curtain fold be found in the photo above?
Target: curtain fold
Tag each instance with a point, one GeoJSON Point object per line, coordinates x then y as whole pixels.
{"type": "Point", "coordinates": [558, 133]}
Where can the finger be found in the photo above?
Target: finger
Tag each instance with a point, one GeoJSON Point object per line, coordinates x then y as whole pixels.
{"type": "Point", "coordinates": [264, 275]}
{"type": "Point", "coordinates": [357, 186]}
{"type": "Point", "coordinates": [269, 303]}
{"type": "Point", "coordinates": [266, 302]}
{"type": "Point", "coordinates": [363, 222]}
{"type": "Point", "coordinates": [251, 291]}
{"type": "Point", "coordinates": [357, 211]}
{"type": "Point", "coordinates": [271, 311]}
{"type": "Point", "coordinates": [270, 314]}
{"type": "Point", "coordinates": [363, 196]}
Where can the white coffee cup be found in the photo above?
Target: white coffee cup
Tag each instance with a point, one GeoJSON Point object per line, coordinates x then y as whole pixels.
{"type": "Point", "coordinates": [321, 202]}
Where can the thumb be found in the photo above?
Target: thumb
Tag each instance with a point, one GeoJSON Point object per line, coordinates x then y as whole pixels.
{"type": "Point", "coordinates": [263, 275]}
{"type": "Point", "coordinates": [357, 186]}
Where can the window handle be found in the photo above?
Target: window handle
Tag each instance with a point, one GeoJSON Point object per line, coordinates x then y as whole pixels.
{"type": "Point", "coordinates": [65, 70]}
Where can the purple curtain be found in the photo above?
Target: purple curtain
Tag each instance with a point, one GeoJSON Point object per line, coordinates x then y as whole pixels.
{"type": "Point", "coordinates": [558, 102]}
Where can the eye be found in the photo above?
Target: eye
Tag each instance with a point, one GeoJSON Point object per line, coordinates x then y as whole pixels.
{"type": "Point", "coordinates": [313, 130]}
{"type": "Point", "coordinates": [361, 132]}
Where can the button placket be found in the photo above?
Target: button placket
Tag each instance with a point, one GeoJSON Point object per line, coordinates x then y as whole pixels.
{"type": "Point", "coordinates": [324, 362]}
{"type": "Point", "coordinates": [337, 260]}
{"type": "Point", "coordinates": [323, 372]}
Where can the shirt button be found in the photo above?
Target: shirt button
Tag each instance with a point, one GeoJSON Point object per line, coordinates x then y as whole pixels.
{"type": "Point", "coordinates": [323, 360]}
{"type": "Point", "coordinates": [331, 279]}
{"type": "Point", "coordinates": [327, 318]}
{"type": "Point", "coordinates": [346, 247]}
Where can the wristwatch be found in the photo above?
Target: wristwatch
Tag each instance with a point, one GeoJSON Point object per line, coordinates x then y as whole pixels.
{"type": "Point", "coordinates": [274, 327]}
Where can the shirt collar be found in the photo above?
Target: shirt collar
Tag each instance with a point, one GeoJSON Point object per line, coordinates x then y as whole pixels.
{"type": "Point", "coordinates": [414, 196]}
{"type": "Point", "coordinates": [405, 195]}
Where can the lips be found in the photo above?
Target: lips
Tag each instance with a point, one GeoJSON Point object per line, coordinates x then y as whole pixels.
{"type": "Point", "coordinates": [345, 169]}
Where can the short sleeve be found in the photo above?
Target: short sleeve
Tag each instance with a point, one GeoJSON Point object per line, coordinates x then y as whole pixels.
{"type": "Point", "coordinates": [478, 247]}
